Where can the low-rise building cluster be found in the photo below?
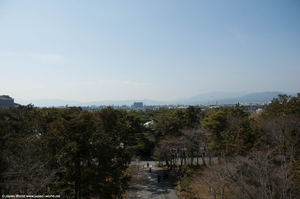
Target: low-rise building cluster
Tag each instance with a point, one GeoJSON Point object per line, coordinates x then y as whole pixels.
{"type": "Point", "coordinates": [6, 102]}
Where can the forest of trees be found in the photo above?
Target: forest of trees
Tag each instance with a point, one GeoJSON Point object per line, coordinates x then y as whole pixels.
{"type": "Point", "coordinates": [77, 154]}
{"type": "Point", "coordinates": [68, 152]}
{"type": "Point", "coordinates": [258, 154]}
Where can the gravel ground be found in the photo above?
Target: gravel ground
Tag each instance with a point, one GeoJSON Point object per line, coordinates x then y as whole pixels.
{"type": "Point", "coordinates": [144, 185]}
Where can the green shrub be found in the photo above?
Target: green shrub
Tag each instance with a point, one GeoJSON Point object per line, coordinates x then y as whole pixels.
{"type": "Point", "coordinates": [186, 179]}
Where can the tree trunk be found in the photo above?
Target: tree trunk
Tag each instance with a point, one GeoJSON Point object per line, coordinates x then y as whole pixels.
{"type": "Point", "coordinates": [77, 179]}
{"type": "Point", "coordinates": [174, 164]}
{"type": "Point", "coordinates": [222, 192]}
{"type": "Point", "coordinates": [79, 184]}
{"type": "Point", "coordinates": [181, 160]}
{"type": "Point", "coordinates": [209, 159]}
{"type": "Point", "coordinates": [203, 159]}
{"type": "Point", "coordinates": [167, 162]}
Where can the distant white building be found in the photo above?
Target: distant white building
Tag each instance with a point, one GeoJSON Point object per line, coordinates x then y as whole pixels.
{"type": "Point", "coordinates": [259, 110]}
{"type": "Point", "coordinates": [214, 106]}
{"type": "Point", "coordinates": [148, 123]}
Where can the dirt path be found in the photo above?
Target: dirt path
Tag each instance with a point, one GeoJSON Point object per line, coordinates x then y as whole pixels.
{"type": "Point", "coordinates": [144, 185]}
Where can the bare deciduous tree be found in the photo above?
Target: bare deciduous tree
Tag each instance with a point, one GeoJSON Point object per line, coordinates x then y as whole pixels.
{"type": "Point", "coordinates": [196, 140]}
{"type": "Point", "coordinates": [257, 175]}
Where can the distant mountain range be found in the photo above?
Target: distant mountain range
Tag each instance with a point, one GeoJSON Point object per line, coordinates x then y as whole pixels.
{"type": "Point", "coordinates": [220, 97]}
{"type": "Point", "coordinates": [208, 97]}
{"type": "Point", "coordinates": [254, 97]}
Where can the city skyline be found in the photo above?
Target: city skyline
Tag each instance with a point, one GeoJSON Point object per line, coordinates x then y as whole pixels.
{"type": "Point", "coordinates": [162, 51]}
{"type": "Point", "coordinates": [220, 98]}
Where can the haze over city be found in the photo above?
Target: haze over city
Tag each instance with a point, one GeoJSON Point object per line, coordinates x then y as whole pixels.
{"type": "Point", "coordinates": [159, 50]}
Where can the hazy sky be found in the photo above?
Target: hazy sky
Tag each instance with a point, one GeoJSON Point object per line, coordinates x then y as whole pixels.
{"type": "Point", "coordinates": [158, 49]}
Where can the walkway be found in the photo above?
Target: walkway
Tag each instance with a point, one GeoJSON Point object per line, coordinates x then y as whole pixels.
{"type": "Point", "coordinates": [144, 185]}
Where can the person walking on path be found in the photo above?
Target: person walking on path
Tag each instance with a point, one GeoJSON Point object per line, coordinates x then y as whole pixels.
{"type": "Point", "coordinates": [150, 170]}
{"type": "Point", "coordinates": [144, 185]}
{"type": "Point", "coordinates": [147, 164]}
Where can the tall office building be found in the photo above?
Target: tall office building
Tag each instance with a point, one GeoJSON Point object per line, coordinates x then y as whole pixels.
{"type": "Point", "coordinates": [6, 101]}
{"type": "Point", "coordinates": [138, 105]}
